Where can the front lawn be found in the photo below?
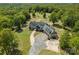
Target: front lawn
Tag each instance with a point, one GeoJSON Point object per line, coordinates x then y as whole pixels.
{"type": "Point", "coordinates": [24, 40]}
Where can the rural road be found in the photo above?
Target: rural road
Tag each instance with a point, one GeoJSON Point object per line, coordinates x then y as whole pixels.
{"type": "Point", "coordinates": [40, 42]}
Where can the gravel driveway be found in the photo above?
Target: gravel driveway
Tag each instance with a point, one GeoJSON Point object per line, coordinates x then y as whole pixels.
{"type": "Point", "coordinates": [40, 41]}
{"type": "Point", "coordinates": [38, 44]}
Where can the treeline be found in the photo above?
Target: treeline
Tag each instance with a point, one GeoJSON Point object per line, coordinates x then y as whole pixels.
{"type": "Point", "coordinates": [13, 18]}
{"type": "Point", "coordinates": [20, 13]}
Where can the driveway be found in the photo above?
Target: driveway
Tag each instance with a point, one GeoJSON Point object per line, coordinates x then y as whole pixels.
{"type": "Point", "coordinates": [40, 41]}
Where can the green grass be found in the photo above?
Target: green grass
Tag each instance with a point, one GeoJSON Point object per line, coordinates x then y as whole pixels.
{"type": "Point", "coordinates": [48, 52]}
{"type": "Point", "coordinates": [24, 40]}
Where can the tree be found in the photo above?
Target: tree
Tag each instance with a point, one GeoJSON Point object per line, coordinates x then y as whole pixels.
{"type": "Point", "coordinates": [30, 9]}
{"type": "Point", "coordinates": [60, 13]}
{"type": "Point", "coordinates": [27, 15]}
{"type": "Point", "coordinates": [37, 8]}
{"type": "Point", "coordinates": [53, 17]}
{"type": "Point", "coordinates": [33, 14]}
{"type": "Point", "coordinates": [8, 44]}
{"type": "Point", "coordinates": [50, 9]}
{"type": "Point", "coordinates": [44, 15]}
{"type": "Point", "coordinates": [5, 22]}
{"type": "Point", "coordinates": [69, 21]}
{"type": "Point", "coordinates": [64, 41]}
{"type": "Point", "coordinates": [22, 18]}
{"type": "Point", "coordinates": [74, 45]}
{"type": "Point", "coordinates": [18, 28]}
{"type": "Point", "coordinates": [56, 10]}
{"type": "Point", "coordinates": [76, 27]}
{"type": "Point", "coordinates": [17, 23]}
{"type": "Point", "coordinates": [0, 28]}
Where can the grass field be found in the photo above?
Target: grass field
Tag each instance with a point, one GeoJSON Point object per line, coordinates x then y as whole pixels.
{"type": "Point", "coordinates": [24, 40]}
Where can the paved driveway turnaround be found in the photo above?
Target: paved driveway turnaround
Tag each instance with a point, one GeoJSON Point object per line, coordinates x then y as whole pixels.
{"type": "Point", "coordinates": [53, 45]}
{"type": "Point", "coordinates": [40, 41]}
{"type": "Point", "coordinates": [39, 44]}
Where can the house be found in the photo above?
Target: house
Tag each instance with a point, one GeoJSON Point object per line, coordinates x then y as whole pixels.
{"type": "Point", "coordinates": [43, 27]}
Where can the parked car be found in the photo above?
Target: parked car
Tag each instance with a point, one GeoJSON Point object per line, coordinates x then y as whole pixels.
{"type": "Point", "coordinates": [43, 27]}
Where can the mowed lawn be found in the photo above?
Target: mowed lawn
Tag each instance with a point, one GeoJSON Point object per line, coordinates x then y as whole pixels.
{"type": "Point", "coordinates": [23, 39]}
